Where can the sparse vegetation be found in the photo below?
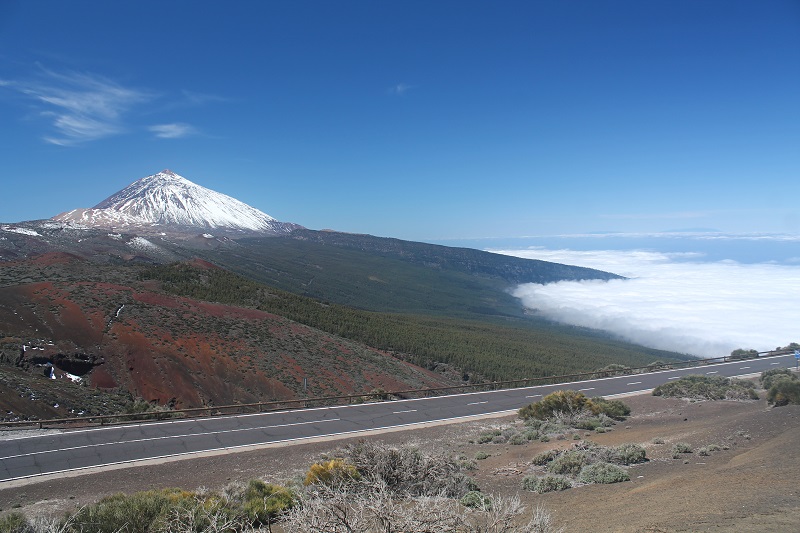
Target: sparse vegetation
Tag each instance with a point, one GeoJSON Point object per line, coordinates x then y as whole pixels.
{"type": "Point", "coordinates": [408, 470]}
{"type": "Point", "coordinates": [603, 473]}
{"type": "Point", "coordinates": [526, 348]}
{"type": "Point", "coordinates": [699, 387]}
{"type": "Point", "coordinates": [585, 462]}
{"type": "Point", "coordinates": [373, 488]}
{"type": "Point", "coordinates": [741, 353]}
{"type": "Point", "coordinates": [616, 409]}
{"type": "Point", "coordinates": [562, 403]}
{"type": "Point", "coordinates": [574, 409]}
{"type": "Point", "coordinates": [562, 412]}
{"type": "Point", "coordinates": [334, 471]}
{"type": "Point", "coordinates": [784, 392]}
{"type": "Point", "coordinates": [770, 377]}
{"type": "Point", "coordinates": [547, 483]}
{"type": "Point", "coordinates": [782, 385]}
{"type": "Point", "coordinates": [476, 500]}
{"type": "Point", "coordinates": [681, 447]}
{"type": "Point", "coordinates": [15, 522]}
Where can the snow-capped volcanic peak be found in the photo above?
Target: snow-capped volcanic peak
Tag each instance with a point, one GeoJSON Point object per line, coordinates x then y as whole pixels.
{"type": "Point", "coordinates": [167, 199]}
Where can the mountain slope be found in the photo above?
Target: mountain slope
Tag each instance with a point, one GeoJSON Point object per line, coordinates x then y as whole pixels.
{"type": "Point", "coordinates": [121, 332]}
{"type": "Point", "coordinates": [383, 274]}
{"type": "Point", "coordinates": [167, 201]}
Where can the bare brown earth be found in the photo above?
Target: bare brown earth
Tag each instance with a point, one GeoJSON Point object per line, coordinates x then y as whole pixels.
{"type": "Point", "coordinates": [752, 486]}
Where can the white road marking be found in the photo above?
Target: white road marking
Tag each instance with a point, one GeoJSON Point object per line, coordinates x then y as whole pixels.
{"type": "Point", "coordinates": [533, 396]}
{"type": "Point", "coordinates": [590, 388]}
{"type": "Point", "coordinates": [635, 383]}
{"type": "Point", "coordinates": [170, 437]}
{"type": "Point", "coordinates": [676, 377]}
{"type": "Point", "coordinates": [774, 363]}
{"type": "Point", "coordinates": [406, 411]}
{"type": "Point", "coordinates": [477, 403]}
{"type": "Point", "coordinates": [744, 368]}
{"type": "Point", "coordinates": [714, 372]}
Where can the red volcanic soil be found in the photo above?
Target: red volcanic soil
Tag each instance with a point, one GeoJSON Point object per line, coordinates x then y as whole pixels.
{"type": "Point", "coordinates": [54, 258]}
{"type": "Point", "coordinates": [200, 263]}
{"type": "Point", "coordinates": [180, 351]}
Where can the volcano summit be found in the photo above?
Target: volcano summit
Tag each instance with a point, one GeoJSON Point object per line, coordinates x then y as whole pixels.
{"type": "Point", "coordinates": [166, 201]}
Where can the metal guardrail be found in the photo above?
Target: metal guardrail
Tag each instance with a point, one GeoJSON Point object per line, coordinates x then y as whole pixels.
{"type": "Point", "coordinates": [301, 403]}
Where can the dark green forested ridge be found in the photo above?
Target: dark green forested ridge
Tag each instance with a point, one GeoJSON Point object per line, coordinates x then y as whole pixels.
{"type": "Point", "coordinates": [514, 270]}
{"type": "Point", "coordinates": [381, 274]}
{"type": "Point", "coordinates": [495, 350]}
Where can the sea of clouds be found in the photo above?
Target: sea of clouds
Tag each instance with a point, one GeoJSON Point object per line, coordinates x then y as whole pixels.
{"type": "Point", "coordinates": [672, 300]}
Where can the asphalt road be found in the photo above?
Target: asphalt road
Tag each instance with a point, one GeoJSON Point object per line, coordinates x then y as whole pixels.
{"type": "Point", "coordinates": [97, 447]}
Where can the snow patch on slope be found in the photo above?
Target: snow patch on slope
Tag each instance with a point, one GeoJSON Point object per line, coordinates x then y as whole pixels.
{"type": "Point", "coordinates": [22, 231]}
{"type": "Point", "coordinates": [141, 243]}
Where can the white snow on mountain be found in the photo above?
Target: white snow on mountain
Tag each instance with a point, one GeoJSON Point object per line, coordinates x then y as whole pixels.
{"type": "Point", "coordinates": [166, 199]}
{"type": "Point", "coordinates": [21, 231]}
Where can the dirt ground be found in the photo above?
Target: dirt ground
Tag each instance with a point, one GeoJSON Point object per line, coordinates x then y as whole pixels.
{"type": "Point", "coordinates": [751, 486]}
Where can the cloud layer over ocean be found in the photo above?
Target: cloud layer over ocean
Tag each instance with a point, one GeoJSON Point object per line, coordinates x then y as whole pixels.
{"type": "Point", "coordinates": [673, 301]}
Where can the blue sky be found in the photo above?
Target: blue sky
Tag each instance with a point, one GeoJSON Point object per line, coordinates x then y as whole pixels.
{"type": "Point", "coordinates": [416, 119]}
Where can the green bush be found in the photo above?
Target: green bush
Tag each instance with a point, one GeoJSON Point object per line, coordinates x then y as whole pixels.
{"type": "Point", "coordinates": [476, 500]}
{"type": "Point", "coordinates": [603, 473]}
{"type": "Point", "coordinates": [700, 387]}
{"type": "Point", "coordinates": [15, 523]}
{"type": "Point", "coordinates": [263, 502]}
{"type": "Point", "coordinates": [562, 401]}
{"type": "Point", "coordinates": [517, 439]}
{"type": "Point", "coordinates": [485, 438]}
{"type": "Point", "coordinates": [546, 483]}
{"type": "Point", "coordinates": [740, 353]}
{"type": "Point", "coordinates": [129, 513]}
{"type": "Point", "coordinates": [770, 377]}
{"type": "Point", "coordinates": [468, 464]}
{"type": "Point", "coordinates": [569, 462]}
{"type": "Point", "coordinates": [480, 456]}
{"type": "Point", "coordinates": [629, 454]}
{"type": "Point", "coordinates": [681, 447]}
{"type": "Point", "coordinates": [531, 434]}
{"type": "Point", "coordinates": [541, 459]}
{"type": "Point", "coordinates": [329, 472]}
{"type": "Point", "coordinates": [589, 424]}
{"type": "Point", "coordinates": [616, 409]}
{"type": "Point", "coordinates": [784, 392]}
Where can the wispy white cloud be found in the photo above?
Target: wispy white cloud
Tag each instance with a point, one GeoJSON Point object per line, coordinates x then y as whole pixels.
{"type": "Point", "coordinates": [82, 107]}
{"type": "Point", "coordinates": [705, 309]}
{"type": "Point", "coordinates": [400, 89]}
{"type": "Point", "coordinates": [172, 131]}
